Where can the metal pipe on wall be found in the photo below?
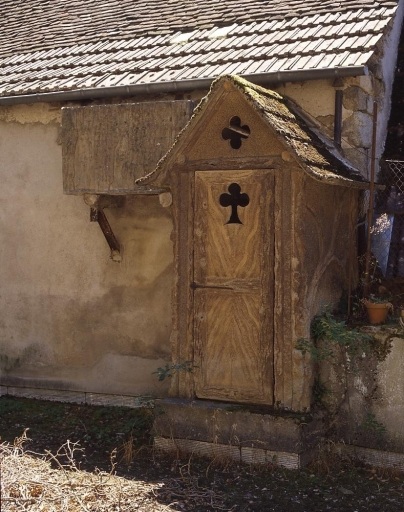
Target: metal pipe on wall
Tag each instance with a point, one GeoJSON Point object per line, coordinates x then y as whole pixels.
{"type": "Point", "coordinates": [338, 117]}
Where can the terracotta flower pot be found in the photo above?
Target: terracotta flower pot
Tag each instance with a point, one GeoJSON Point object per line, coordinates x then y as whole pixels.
{"type": "Point", "coordinates": [377, 312]}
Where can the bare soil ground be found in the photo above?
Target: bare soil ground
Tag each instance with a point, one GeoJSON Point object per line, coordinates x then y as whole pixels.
{"type": "Point", "coordinates": [81, 458]}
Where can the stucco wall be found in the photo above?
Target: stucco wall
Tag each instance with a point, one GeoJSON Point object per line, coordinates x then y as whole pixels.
{"type": "Point", "coordinates": [364, 392]}
{"type": "Point", "coordinates": [388, 403]}
{"type": "Point", "coordinates": [70, 317]}
{"type": "Point", "coordinates": [384, 70]}
{"type": "Point", "coordinates": [317, 98]}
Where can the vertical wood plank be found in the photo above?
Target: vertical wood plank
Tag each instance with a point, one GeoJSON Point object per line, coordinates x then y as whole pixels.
{"type": "Point", "coordinates": [283, 394]}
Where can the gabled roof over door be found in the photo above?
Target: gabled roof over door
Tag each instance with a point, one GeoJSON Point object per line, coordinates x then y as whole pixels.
{"type": "Point", "coordinates": [239, 124]}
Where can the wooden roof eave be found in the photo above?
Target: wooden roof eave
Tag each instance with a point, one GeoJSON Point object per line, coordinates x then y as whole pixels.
{"type": "Point", "coordinates": [158, 179]}
{"type": "Point", "coordinates": [335, 179]}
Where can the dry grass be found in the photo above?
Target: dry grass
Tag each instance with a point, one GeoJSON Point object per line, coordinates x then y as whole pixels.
{"type": "Point", "coordinates": [52, 479]}
{"type": "Point", "coordinates": [53, 483]}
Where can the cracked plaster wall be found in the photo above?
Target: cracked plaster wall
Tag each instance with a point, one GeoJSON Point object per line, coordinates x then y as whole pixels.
{"type": "Point", "coordinates": [317, 98]}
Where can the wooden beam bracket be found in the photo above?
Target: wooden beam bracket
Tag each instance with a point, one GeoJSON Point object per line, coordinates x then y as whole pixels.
{"type": "Point", "coordinates": [97, 204]}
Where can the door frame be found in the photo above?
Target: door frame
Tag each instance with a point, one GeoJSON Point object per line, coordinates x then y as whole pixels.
{"type": "Point", "coordinates": [182, 188]}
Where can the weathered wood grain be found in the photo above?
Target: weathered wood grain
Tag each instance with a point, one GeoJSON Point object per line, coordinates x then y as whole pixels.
{"type": "Point", "coordinates": [233, 299]}
{"type": "Point", "coordinates": [105, 148]}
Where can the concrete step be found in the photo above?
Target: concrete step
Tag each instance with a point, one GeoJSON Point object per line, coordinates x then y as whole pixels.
{"type": "Point", "coordinates": [239, 432]}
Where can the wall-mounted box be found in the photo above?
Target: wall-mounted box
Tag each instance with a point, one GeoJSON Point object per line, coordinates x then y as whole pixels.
{"type": "Point", "coordinates": [107, 147]}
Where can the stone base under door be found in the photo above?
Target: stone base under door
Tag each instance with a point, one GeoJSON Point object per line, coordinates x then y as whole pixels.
{"type": "Point", "coordinates": [237, 432]}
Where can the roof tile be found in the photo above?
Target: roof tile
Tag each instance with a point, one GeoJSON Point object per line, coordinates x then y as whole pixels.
{"type": "Point", "coordinates": [50, 46]}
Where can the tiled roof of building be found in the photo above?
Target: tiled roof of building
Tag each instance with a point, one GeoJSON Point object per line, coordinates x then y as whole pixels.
{"type": "Point", "coordinates": [319, 158]}
{"type": "Point", "coordinates": [58, 45]}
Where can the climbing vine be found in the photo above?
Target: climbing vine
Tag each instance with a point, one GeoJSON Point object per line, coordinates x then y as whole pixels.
{"type": "Point", "coordinates": [346, 362]}
{"type": "Point", "coordinates": [339, 351]}
{"type": "Point", "coordinates": [331, 336]}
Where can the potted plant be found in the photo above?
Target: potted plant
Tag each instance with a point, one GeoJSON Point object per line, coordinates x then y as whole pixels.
{"type": "Point", "coordinates": [377, 309]}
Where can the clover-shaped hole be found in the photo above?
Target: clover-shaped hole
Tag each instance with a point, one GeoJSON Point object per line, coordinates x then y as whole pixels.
{"type": "Point", "coordinates": [235, 132]}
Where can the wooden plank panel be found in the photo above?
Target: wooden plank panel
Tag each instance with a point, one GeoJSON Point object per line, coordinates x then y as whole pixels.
{"type": "Point", "coordinates": [231, 350]}
{"type": "Point", "coordinates": [227, 252]}
{"type": "Point", "coordinates": [106, 148]}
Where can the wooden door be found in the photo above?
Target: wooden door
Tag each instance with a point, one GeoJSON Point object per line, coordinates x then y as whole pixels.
{"type": "Point", "coordinates": [233, 285]}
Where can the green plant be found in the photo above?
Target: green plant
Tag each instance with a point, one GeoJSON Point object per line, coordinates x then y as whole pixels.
{"type": "Point", "coordinates": [371, 424]}
{"type": "Point", "coordinates": [376, 299]}
{"type": "Point", "coordinates": [171, 369]}
{"type": "Point", "coordinates": [340, 354]}
{"type": "Point", "coordinates": [330, 335]}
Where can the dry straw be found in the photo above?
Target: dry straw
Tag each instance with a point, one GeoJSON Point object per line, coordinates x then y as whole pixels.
{"type": "Point", "coordinates": [30, 483]}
